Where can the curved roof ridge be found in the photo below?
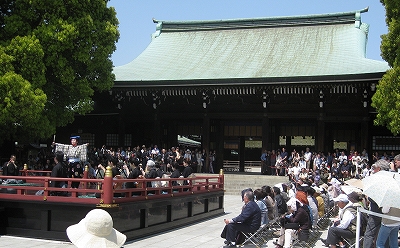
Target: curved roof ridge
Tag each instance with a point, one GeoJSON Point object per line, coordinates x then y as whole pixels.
{"type": "Point", "coordinates": [328, 18]}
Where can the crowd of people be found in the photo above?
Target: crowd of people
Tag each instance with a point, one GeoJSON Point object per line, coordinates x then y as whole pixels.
{"type": "Point", "coordinates": [340, 164]}
{"type": "Point", "coordinates": [299, 204]}
{"type": "Point", "coordinates": [164, 157]}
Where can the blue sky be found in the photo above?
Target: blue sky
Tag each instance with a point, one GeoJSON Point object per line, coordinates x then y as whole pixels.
{"type": "Point", "coordinates": [136, 25]}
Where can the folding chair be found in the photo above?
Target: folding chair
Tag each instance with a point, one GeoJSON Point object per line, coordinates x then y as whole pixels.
{"type": "Point", "coordinates": [310, 241]}
{"type": "Point", "coordinates": [256, 238]}
{"type": "Point", "coordinates": [351, 243]}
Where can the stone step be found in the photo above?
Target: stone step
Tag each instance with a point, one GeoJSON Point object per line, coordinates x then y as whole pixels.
{"type": "Point", "coordinates": [236, 182]}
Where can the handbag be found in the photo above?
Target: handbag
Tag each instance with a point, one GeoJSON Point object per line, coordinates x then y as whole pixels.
{"type": "Point", "coordinates": [294, 226]}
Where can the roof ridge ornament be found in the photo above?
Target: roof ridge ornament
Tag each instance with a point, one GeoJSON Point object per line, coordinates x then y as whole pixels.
{"type": "Point", "coordinates": [357, 22]}
{"type": "Point", "coordinates": [158, 29]}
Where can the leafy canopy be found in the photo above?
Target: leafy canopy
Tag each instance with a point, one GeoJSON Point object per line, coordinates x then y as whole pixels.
{"type": "Point", "coordinates": [386, 100]}
{"type": "Point", "coordinates": [54, 55]}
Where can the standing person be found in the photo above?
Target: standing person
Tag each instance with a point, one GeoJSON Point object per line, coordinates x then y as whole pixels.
{"type": "Point", "coordinates": [263, 158]}
{"type": "Point", "coordinates": [59, 171]}
{"type": "Point", "coordinates": [272, 161]}
{"type": "Point", "coordinates": [249, 220]}
{"type": "Point", "coordinates": [74, 150]}
{"type": "Point", "coordinates": [307, 158]}
{"type": "Point", "coordinates": [212, 159]}
{"type": "Point", "coordinates": [389, 228]}
{"type": "Point", "coordinates": [374, 222]}
{"type": "Point", "coordinates": [284, 162]}
{"type": "Point", "coordinates": [10, 168]}
{"type": "Point", "coordinates": [199, 161]}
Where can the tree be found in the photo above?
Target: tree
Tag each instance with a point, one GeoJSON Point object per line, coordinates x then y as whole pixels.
{"type": "Point", "coordinates": [54, 55]}
{"type": "Point", "coordinates": [386, 100]}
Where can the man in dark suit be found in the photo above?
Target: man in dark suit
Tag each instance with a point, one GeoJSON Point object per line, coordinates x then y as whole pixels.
{"type": "Point", "coordinates": [248, 221]}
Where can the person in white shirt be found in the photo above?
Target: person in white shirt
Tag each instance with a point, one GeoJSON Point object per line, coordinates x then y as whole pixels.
{"type": "Point", "coordinates": [343, 226]}
{"type": "Point", "coordinates": [342, 157]}
{"type": "Point", "coordinates": [307, 158]}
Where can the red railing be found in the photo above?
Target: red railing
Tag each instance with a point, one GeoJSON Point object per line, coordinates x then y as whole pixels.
{"type": "Point", "coordinates": [33, 186]}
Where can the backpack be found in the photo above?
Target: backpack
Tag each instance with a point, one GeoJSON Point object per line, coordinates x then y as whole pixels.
{"type": "Point", "coordinates": [363, 221]}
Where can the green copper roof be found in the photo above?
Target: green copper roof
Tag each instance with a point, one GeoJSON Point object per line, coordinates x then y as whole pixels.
{"type": "Point", "coordinates": [289, 47]}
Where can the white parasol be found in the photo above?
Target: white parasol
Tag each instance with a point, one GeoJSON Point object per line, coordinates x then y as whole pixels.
{"type": "Point", "coordinates": [347, 189]}
{"type": "Point", "coordinates": [384, 188]}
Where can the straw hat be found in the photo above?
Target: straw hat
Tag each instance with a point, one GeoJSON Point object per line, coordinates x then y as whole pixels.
{"type": "Point", "coordinates": [95, 230]}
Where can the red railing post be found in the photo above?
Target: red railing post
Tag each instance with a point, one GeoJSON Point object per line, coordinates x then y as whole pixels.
{"type": "Point", "coordinates": [107, 187]}
{"type": "Point", "coordinates": [25, 172]}
{"type": "Point", "coordinates": [85, 176]}
{"type": "Point", "coordinates": [221, 178]}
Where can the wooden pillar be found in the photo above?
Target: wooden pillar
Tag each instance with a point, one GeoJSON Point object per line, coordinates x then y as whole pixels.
{"type": "Point", "coordinates": [172, 133]}
{"type": "Point", "coordinates": [320, 137]}
{"type": "Point", "coordinates": [121, 128]}
{"type": "Point", "coordinates": [241, 153]}
{"type": "Point", "coordinates": [364, 134]}
{"type": "Point", "coordinates": [206, 140]}
{"type": "Point", "coordinates": [220, 147]}
{"type": "Point", "coordinates": [266, 143]}
{"type": "Point", "coordinates": [157, 131]}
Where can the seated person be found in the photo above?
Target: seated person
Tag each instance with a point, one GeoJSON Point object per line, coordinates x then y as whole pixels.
{"type": "Point", "coordinates": [187, 171]}
{"type": "Point", "coordinates": [151, 173]}
{"type": "Point", "coordinates": [298, 213]}
{"type": "Point", "coordinates": [270, 200]}
{"type": "Point", "coordinates": [344, 226]}
{"type": "Point", "coordinates": [280, 202]}
{"type": "Point", "coordinates": [248, 221]}
{"type": "Point", "coordinates": [345, 170]}
{"type": "Point", "coordinates": [259, 197]}
{"type": "Point", "coordinates": [175, 173]}
{"type": "Point", "coordinates": [136, 172]}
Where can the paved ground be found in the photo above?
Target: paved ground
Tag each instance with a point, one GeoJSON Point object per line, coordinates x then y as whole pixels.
{"type": "Point", "coordinates": [205, 234]}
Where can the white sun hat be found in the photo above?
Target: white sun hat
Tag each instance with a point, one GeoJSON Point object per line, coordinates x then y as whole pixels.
{"type": "Point", "coordinates": [95, 230]}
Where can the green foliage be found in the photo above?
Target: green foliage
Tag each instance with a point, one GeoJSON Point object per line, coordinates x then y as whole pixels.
{"type": "Point", "coordinates": [386, 100]}
{"type": "Point", "coordinates": [57, 51]}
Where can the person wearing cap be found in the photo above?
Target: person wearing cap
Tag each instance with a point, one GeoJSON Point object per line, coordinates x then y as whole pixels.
{"type": "Point", "coordinates": [296, 213]}
{"type": "Point", "coordinates": [320, 201]}
{"type": "Point", "coordinates": [96, 230]}
{"type": "Point", "coordinates": [74, 150]}
{"type": "Point", "coordinates": [344, 225]}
